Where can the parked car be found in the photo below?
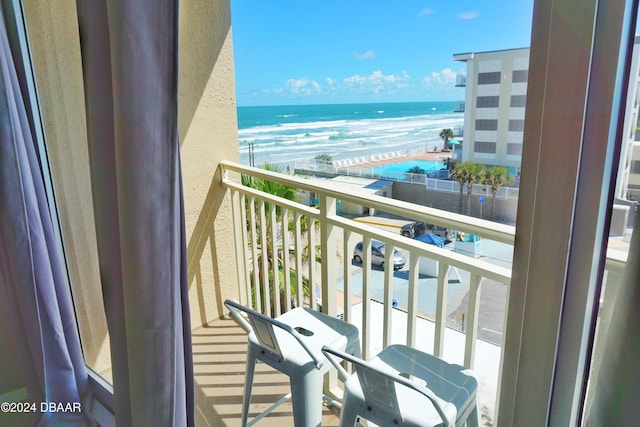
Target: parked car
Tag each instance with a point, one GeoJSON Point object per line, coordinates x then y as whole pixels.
{"type": "Point", "coordinates": [419, 228]}
{"type": "Point", "coordinates": [377, 255]}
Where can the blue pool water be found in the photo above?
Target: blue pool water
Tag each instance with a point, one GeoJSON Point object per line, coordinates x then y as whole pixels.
{"type": "Point", "coordinates": [393, 169]}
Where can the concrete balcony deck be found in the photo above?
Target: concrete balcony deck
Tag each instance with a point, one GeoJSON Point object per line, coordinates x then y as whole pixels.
{"type": "Point", "coordinates": [219, 359]}
{"type": "Point", "coordinates": [219, 353]}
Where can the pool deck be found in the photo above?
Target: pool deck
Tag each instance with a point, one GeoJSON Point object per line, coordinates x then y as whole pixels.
{"type": "Point", "coordinates": [429, 155]}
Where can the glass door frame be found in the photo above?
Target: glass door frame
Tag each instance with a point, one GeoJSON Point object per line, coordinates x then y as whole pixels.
{"type": "Point", "coordinates": [578, 73]}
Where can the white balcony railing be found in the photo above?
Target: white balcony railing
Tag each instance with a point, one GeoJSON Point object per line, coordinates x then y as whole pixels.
{"type": "Point", "coordinates": [274, 231]}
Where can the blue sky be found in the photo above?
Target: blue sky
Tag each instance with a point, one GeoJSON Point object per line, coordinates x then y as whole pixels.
{"type": "Point", "coordinates": [348, 51]}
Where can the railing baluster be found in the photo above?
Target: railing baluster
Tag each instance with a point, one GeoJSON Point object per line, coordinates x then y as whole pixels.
{"type": "Point", "coordinates": [241, 247]}
{"type": "Point", "coordinates": [471, 327]}
{"type": "Point", "coordinates": [347, 277]}
{"type": "Point", "coordinates": [286, 262]}
{"type": "Point", "coordinates": [441, 308]}
{"type": "Point", "coordinates": [254, 255]}
{"type": "Point", "coordinates": [298, 248]}
{"type": "Point", "coordinates": [388, 295]}
{"type": "Point", "coordinates": [265, 259]}
{"type": "Point", "coordinates": [275, 267]}
{"type": "Point", "coordinates": [366, 296]}
{"type": "Point", "coordinates": [412, 306]}
{"type": "Point", "coordinates": [312, 264]}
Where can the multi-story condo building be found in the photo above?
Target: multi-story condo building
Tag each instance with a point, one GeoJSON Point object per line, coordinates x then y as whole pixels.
{"type": "Point", "coordinates": [494, 107]}
{"type": "Point", "coordinates": [495, 97]}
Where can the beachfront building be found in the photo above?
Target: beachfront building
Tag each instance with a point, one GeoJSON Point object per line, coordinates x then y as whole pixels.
{"type": "Point", "coordinates": [495, 99]}
{"type": "Point", "coordinates": [117, 248]}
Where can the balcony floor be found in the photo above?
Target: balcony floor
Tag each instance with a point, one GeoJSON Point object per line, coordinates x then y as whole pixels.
{"type": "Point", "coordinates": [219, 356]}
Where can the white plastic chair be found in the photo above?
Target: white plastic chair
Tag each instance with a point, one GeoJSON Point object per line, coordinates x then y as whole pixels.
{"type": "Point", "coordinates": [406, 387]}
{"type": "Point", "coordinates": [292, 344]}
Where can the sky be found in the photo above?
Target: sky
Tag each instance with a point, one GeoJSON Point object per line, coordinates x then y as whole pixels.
{"type": "Point", "coordinates": [302, 52]}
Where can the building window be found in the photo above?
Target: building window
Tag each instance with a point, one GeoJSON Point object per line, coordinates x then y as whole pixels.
{"type": "Point", "coordinates": [518, 101]}
{"type": "Point", "coordinates": [487, 101]}
{"type": "Point", "coordinates": [635, 166]}
{"type": "Point", "coordinates": [520, 76]}
{"type": "Point", "coordinates": [516, 125]}
{"type": "Point", "coordinates": [489, 78]}
{"type": "Point", "coordinates": [514, 149]}
{"type": "Point", "coordinates": [486, 124]}
{"type": "Point", "coordinates": [484, 147]}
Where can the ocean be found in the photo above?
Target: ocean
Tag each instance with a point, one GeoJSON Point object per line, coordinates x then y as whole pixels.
{"type": "Point", "coordinates": [298, 133]}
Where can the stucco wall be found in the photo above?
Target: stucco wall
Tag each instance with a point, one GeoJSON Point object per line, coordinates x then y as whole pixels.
{"type": "Point", "coordinates": [208, 134]}
{"type": "Point", "coordinates": [208, 131]}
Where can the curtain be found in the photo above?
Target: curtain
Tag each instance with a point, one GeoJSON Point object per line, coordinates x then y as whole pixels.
{"type": "Point", "coordinates": [37, 304]}
{"type": "Point", "coordinates": [130, 55]}
{"type": "Point", "coordinates": [617, 384]}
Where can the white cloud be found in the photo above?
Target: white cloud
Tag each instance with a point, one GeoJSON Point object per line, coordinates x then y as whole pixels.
{"type": "Point", "coordinates": [302, 86]}
{"type": "Point", "coordinates": [443, 80]}
{"type": "Point", "coordinates": [468, 15]}
{"type": "Point", "coordinates": [377, 82]}
{"type": "Point", "coordinates": [425, 12]}
{"type": "Point", "coordinates": [370, 54]}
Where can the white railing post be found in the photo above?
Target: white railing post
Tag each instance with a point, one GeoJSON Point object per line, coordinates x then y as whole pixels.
{"type": "Point", "coordinates": [412, 308]}
{"type": "Point", "coordinates": [441, 309]}
{"type": "Point", "coordinates": [388, 295]}
{"type": "Point", "coordinates": [471, 326]}
{"type": "Point", "coordinates": [328, 246]}
{"type": "Point", "coordinates": [366, 297]}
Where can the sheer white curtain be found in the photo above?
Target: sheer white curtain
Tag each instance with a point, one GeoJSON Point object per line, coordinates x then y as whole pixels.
{"type": "Point", "coordinates": [617, 384]}
{"type": "Point", "coordinates": [129, 53]}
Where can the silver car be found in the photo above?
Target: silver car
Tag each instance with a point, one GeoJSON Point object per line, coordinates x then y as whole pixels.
{"type": "Point", "coordinates": [377, 255]}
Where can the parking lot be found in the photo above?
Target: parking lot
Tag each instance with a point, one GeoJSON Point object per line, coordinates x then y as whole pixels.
{"type": "Point", "coordinates": [492, 298]}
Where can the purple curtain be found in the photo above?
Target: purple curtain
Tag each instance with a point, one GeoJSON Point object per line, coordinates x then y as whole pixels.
{"type": "Point", "coordinates": [38, 310]}
{"type": "Point", "coordinates": [130, 57]}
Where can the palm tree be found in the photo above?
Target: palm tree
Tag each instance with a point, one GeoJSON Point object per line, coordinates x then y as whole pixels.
{"type": "Point", "coordinates": [495, 178]}
{"type": "Point", "coordinates": [459, 174]}
{"type": "Point", "coordinates": [475, 173]}
{"type": "Point", "coordinates": [446, 135]}
{"type": "Point", "coordinates": [274, 254]}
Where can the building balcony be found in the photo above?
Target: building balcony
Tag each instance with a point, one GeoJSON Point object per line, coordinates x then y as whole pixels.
{"type": "Point", "coordinates": [444, 301]}
{"type": "Point", "coordinates": [461, 80]}
{"type": "Point", "coordinates": [458, 107]}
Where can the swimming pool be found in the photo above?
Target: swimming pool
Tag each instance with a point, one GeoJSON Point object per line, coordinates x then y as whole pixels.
{"type": "Point", "coordinates": [392, 170]}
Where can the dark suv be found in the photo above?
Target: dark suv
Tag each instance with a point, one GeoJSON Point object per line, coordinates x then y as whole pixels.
{"type": "Point", "coordinates": [418, 228]}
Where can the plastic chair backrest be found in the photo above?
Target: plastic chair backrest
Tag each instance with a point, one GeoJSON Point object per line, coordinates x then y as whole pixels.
{"type": "Point", "coordinates": [371, 377]}
{"type": "Point", "coordinates": [263, 328]}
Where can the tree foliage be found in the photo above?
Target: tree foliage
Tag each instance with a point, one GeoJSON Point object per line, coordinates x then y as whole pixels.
{"type": "Point", "coordinates": [274, 255]}
{"type": "Point", "coordinates": [495, 178]}
{"type": "Point", "coordinates": [446, 135]}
